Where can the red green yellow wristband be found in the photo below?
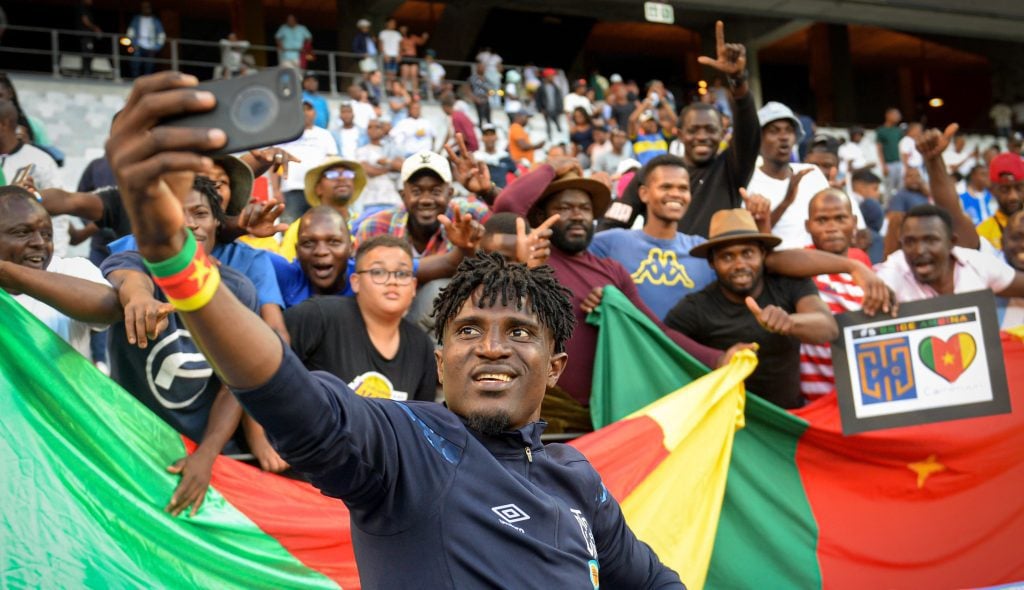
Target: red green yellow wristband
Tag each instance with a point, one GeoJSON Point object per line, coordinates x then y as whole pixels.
{"type": "Point", "coordinates": [189, 279]}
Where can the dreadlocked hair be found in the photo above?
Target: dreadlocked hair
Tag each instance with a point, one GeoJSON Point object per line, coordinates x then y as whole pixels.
{"type": "Point", "coordinates": [513, 282]}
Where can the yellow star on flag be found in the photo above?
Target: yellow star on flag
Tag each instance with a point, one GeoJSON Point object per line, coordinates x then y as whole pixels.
{"type": "Point", "coordinates": [948, 359]}
{"type": "Point", "coordinates": [925, 468]}
{"type": "Point", "coordinates": [201, 272]}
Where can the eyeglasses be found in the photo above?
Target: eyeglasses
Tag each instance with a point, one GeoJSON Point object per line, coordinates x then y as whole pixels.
{"type": "Point", "coordinates": [381, 276]}
{"type": "Point", "coordinates": [336, 174]}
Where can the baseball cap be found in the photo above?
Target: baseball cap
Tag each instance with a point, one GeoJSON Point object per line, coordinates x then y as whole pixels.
{"type": "Point", "coordinates": [825, 142]}
{"type": "Point", "coordinates": [488, 128]}
{"type": "Point", "coordinates": [1006, 164]}
{"type": "Point", "coordinates": [425, 160]}
{"type": "Point", "coordinates": [362, 23]}
{"type": "Point", "coordinates": [615, 79]}
{"type": "Point", "coordinates": [776, 111]}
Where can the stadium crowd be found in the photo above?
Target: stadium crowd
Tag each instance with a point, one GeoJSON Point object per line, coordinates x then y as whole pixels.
{"type": "Point", "coordinates": [731, 225]}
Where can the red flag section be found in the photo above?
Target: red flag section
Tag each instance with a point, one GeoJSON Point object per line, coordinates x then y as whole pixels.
{"type": "Point", "coordinates": [932, 506]}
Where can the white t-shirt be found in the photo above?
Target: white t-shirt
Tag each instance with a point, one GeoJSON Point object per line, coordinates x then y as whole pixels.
{"type": "Point", "coordinates": [573, 101]}
{"type": "Point", "coordinates": [436, 73]}
{"type": "Point", "coordinates": [73, 332]}
{"type": "Point", "coordinates": [382, 189]}
{"type": "Point", "coordinates": [951, 157]}
{"type": "Point", "coordinates": [791, 225]}
{"type": "Point", "coordinates": [1001, 114]}
{"type": "Point", "coordinates": [908, 147]}
{"type": "Point", "coordinates": [362, 114]}
{"type": "Point", "coordinates": [312, 148]}
{"type": "Point", "coordinates": [413, 135]}
{"type": "Point", "coordinates": [851, 157]}
{"type": "Point", "coordinates": [389, 42]}
{"type": "Point", "coordinates": [348, 140]}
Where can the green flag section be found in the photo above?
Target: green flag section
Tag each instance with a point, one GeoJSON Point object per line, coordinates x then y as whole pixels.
{"type": "Point", "coordinates": [681, 443]}
{"type": "Point", "coordinates": [84, 486]}
{"type": "Point", "coordinates": [637, 366]}
{"type": "Point", "coordinates": [930, 506]}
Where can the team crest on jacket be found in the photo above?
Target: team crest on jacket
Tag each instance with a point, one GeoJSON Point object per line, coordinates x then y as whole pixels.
{"type": "Point", "coordinates": [588, 535]}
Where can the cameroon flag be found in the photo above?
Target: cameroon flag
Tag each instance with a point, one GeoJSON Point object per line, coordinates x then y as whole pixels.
{"type": "Point", "coordinates": [930, 506]}
{"type": "Point", "coordinates": [84, 485]}
{"type": "Point", "coordinates": [935, 506]}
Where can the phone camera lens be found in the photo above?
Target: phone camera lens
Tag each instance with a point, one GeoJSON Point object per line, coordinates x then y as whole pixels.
{"type": "Point", "coordinates": [254, 109]}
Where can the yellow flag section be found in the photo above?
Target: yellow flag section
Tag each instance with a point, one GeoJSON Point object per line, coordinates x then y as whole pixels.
{"type": "Point", "coordinates": [681, 447]}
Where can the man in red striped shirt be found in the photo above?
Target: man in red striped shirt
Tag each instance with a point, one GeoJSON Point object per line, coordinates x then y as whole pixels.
{"type": "Point", "coordinates": [832, 225]}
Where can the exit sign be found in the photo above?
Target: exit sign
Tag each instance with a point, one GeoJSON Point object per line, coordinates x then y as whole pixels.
{"type": "Point", "coordinates": [657, 12]}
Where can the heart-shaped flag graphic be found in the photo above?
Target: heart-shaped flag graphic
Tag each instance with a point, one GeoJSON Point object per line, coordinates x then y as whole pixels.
{"type": "Point", "coordinates": [948, 358]}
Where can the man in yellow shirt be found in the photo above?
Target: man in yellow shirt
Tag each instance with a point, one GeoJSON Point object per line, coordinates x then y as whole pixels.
{"type": "Point", "coordinates": [1006, 171]}
{"type": "Point", "coordinates": [336, 183]}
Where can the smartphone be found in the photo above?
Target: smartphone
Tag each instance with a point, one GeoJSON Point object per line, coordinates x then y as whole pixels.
{"type": "Point", "coordinates": [254, 111]}
{"type": "Point", "coordinates": [23, 173]}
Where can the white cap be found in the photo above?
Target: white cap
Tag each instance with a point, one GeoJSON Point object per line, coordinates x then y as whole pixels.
{"type": "Point", "coordinates": [361, 23]}
{"type": "Point", "coordinates": [625, 166]}
{"type": "Point", "coordinates": [425, 160]}
{"type": "Point", "coordinates": [615, 79]}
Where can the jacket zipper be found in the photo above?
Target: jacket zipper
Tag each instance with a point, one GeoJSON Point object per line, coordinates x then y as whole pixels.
{"type": "Point", "coordinates": [529, 455]}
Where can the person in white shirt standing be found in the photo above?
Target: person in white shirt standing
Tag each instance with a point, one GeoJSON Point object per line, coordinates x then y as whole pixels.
{"type": "Point", "coordinates": [390, 46]}
{"type": "Point", "coordinates": [789, 187]}
{"type": "Point", "coordinates": [382, 161]}
{"type": "Point", "coordinates": [909, 156]}
{"type": "Point", "coordinates": [310, 149]}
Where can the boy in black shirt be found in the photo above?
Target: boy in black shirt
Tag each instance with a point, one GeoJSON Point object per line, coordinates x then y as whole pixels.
{"type": "Point", "coordinates": [364, 340]}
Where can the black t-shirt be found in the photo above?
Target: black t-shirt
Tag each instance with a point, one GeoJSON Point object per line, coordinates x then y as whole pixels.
{"type": "Point", "coordinates": [713, 187]}
{"type": "Point", "coordinates": [328, 334]}
{"type": "Point", "coordinates": [170, 376]}
{"type": "Point", "coordinates": [711, 319]}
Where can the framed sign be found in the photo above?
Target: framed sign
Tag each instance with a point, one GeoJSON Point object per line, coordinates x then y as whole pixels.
{"type": "Point", "coordinates": [941, 359]}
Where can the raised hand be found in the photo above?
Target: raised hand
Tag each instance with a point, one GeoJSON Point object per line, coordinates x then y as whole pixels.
{"type": "Point", "coordinates": [772, 318]}
{"type": "Point", "coordinates": [933, 142]}
{"type": "Point", "coordinates": [534, 249]}
{"type": "Point", "coordinates": [463, 232]}
{"type": "Point", "coordinates": [760, 209]}
{"type": "Point", "coordinates": [731, 58]}
{"type": "Point", "coordinates": [470, 173]}
{"type": "Point", "coordinates": [259, 218]}
{"type": "Point", "coordinates": [274, 158]}
{"type": "Point", "coordinates": [155, 166]}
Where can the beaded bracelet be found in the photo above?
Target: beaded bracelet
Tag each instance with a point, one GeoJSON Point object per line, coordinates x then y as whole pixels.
{"type": "Point", "coordinates": [189, 279]}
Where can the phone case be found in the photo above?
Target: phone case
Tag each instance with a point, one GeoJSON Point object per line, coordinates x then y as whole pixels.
{"type": "Point", "coordinates": [254, 111]}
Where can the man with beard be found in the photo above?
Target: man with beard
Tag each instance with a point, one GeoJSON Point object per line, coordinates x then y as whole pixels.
{"type": "Point", "coordinates": [364, 340]}
{"type": "Point", "coordinates": [407, 471]}
{"type": "Point", "coordinates": [336, 183]}
{"type": "Point", "coordinates": [577, 201]}
{"type": "Point", "coordinates": [1006, 171]}
{"type": "Point", "coordinates": [716, 176]}
{"type": "Point", "coordinates": [929, 263]}
{"type": "Point", "coordinates": [322, 254]}
{"type": "Point", "coordinates": [747, 304]}
{"type": "Point", "coordinates": [440, 229]}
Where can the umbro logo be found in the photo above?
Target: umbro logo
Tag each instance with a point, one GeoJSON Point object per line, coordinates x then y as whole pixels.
{"type": "Point", "coordinates": [510, 513]}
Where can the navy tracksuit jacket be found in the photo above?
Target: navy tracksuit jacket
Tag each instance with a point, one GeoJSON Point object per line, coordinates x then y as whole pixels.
{"type": "Point", "coordinates": [435, 504]}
